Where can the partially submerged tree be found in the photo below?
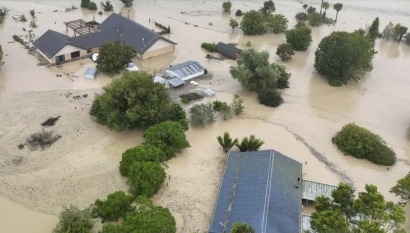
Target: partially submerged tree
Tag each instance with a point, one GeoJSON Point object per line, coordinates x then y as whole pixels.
{"type": "Point", "coordinates": [115, 207]}
{"type": "Point", "coordinates": [399, 31]}
{"type": "Point", "coordinates": [107, 6]}
{"type": "Point", "coordinates": [315, 19]}
{"type": "Point", "coordinates": [402, 189]}
{"type": "Point", "coordinates": [311, 10]}
{"type": "Point", "coordinates": [250, 144]}
{"type": "Point", "coordinates": [370, 212]}
{"type": "Point", "coordinates": [253, 23]}
{"type": "Point", "coordinates": [168, 136]}
{"type": "Point", "coordinates": [202, 115]}
{"type": "Point", "coordinates": [325, 6]}
{"type": "Point", "coordinates": [305, 6]}
{"type": "Point", "coordinates": [127, 3]}
{"type": "Point", "coordinates": [226, 142]}
{"type": "Point", "coordinates": [74, 220]}
{"type": "Point", "coordinates": [233, 23]}
{"type": "Point", "coordinates": [338, 7]}
{"type": "Point", "coordinates": [373, 31]}
{"type": "Point", "coordinates": [145, 178]}
{"type": "Point", "coordinates": [239, 227]}
{"type": "Point", "coordinates": [140, 153]}
{"type": "Point", "coordinates": [301, 16]}
{"type": "Point", "coordinates": [113, 56]}
{"type": "Point", "coordinates": [299, 38]}
{"type": "Point", "coordinates": [343, 56]}
{"type": "Point", "coordinates": [276, 23]}
{"type": "Point", "coordinates": [388, 31]}
{"type": "Point", "coordinates": [135, 101]}
{"type": "Point", "coordinates": [237, 105]}
{"type": "Point", "coordinates": [285, 52]}
{"type": "Point", "coordinates": [227, 6]}
{"type": "Point", "coordinates": [268, 7]}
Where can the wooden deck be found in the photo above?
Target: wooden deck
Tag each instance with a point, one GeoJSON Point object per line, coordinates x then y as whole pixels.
{"type": "Point", "coordinates": [312, 189]}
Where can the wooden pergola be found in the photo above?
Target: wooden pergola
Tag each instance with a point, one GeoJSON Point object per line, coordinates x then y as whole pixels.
{"type": "Point", "coordinates": [82, 27]}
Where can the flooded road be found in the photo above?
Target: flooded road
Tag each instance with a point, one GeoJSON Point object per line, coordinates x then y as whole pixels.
{"type": "Point", "coordinates": [83, 166]}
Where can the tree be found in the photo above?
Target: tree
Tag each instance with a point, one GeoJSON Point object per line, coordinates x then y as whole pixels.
{"type": "Point", "coordinates": [111, 228]}
{"type": "Point", "coordinates": [116, 205]}
{"type": "Point", "coordinates": [92, 6]}
{"type": "Point", "coordinates": [237, 105]}
{"type": "Point", "coordinates": [74, 220]}
{"type": "Point", "coordinates": [305, 6]}
{"type": "Point", "coordinates": [145, 178]}
{"type": "Point", "coordinates": [371, 212]}
{"type": "Point", "coordinates": [107, 6]}
{"type": "Point", "coordinates": [402, 189]}
{"type": "Point", "coordinates": [233, 24]}
{"type": "Point", "coordinates": [276, 23]}
{"type": "Point", "coordinates": [299, 38]}
{"type": "Point", "coordinates": [84, 3]}
{"type": "Point", "coordinates": [407, 37]}
{"type": "Point", "coordinates": [135, 101]}
{"type": "Point", "coordinates": [127, 3]}
{"type": "Point", "coordinates": [268, 7]}
{"type": "Point", "coordinates": [285, 52]}
{"type": "Point", "coordinates": [227, 6]}
{"type": "Point", "coordinates": [1, 56]}
{"type": "Point", "coordinates": [270, 97]}
{"type": "Point", "coordinates": [140, 153]}
{"type": "Point", "coordinates": [325, 6]}
{"type": "Point", "coordinates": [113, 56]}
{"type": "Point", "coordinates": [32, 13]}
{"type": "Point", "coordinates": [311, 10]}
{"type": "Point", "coordinates": [253, 23]}
{"type": "Point", "coordinates": [373, 31]}
{"type": "Point", "coordinates": [239, 227]}
{"type": "Point", "coordinates": [202, 115]}
{"type": "Point", "coordinates": [226, 142]}
{"type": "Point", "coordinates": [388, 31]}
{"type": "Point", "coordinates": [148, 218]}
{"type": "Point", "coordinates": [338, 7]}
{"type": "Point", "coordinates": [315, 19]}
{"type": "Point", "coordinates": [238, 13]}
{"type": "Point", "coordinates": [342, 56]}
{"type": "Point", "coordinates": [321, 6]}
{"type": "Point", "coordinates": [399, 31]}
{"type": "Point", "coordinates": [301, 16]}
{"type": "Point", "coordinates": [168, 136]}
{"type": "Point", "coordinates": [250, 144]}
{"type": "Point", "coordinates": [363, 144]}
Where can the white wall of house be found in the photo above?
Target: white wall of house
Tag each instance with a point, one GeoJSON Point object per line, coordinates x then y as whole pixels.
{"type": "Point", "coordinates": [158, 48]}
{"type": "Point", "coordinates": [68, 49]}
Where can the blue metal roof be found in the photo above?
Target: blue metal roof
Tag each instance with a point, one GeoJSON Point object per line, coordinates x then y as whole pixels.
{"type": "Point", "coordinates": [186, 68]}
{"type": "Point", "coordinates": [176, 82]}
{"type": "Point", "coordinates": [262, 189]}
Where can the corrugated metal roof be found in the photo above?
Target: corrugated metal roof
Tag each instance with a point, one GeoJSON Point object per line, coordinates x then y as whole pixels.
{"type": "Point", "coordinates": [312, 189]}
{"type": "Point", "coordinates": [262, 189]}
{"type": "Point", "coordinates": [228, 50]}
{"type": "Point", "coordinates": [186, 68]}
{"type": "Point", "coordinates": [176, 82]}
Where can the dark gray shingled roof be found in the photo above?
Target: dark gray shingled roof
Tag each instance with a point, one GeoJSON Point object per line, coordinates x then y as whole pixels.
{"type": "Point", "coordinates": [114, 28]}
{"type": "Point", "coordinates": [227, 50]}
{"type": "Point", "coordinates": [262, 189]}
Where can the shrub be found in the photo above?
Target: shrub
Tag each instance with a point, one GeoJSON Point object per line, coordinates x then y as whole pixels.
{"type": "Point", "coordinates": [277, 23]}
{"type": "Point", "coordinates": [253, 23]}
{"type": "Point", "coordinates": [33, 24]}
{"type": "Point", "coordinates": [143, 152]}
{"type": "Point", "coordinates": [270, 97]}
{"type": "Point", "coordinates": [238, 13]}
{"type": "Point", "coordinates": [146, 178]}
{"type": "Point", "coordinates": [302, 16]}
{"type": "Point", "coordinates": [315, 19]}
{"type": "Point", "coordinates": [74, 220]}
{"type": "Point", "coordinates": [202, 115]}
{"type": "Point", "coordinates": [227, 6]}
{"type": "Point", "coordinates": [285, 52]}
{"type": "Point", "coordinates": [226, 142]}
{"type": "Point", "coordinates": [219, 105]}
{"type": "Point", "coordinates": [100, 13]}
{"type": "Point", "coordinates": [250, 144]}
{"type": "Point", "coordinates": [116, 205]}
{"type": "Point", "coordinates": [127, 3]}
{"type": "Point", "coordinates": [33, 13]}
{"type": "Point", "coordinates": [248, 44]}
{"type": "Point", "coordinates": [237, 105]}
{"type": "Point", "coordinates": [210, 47]}
{"type": "Point", "coordinates": [107, 6]}
{"type": "Point", "coordinates": [363, 144]}
{"type": "Point", "coordinates": [92, 6]}
{"type": "Point", "coordinates": [188, 97]}
{"type": "Point", "coordinates": [23, 18]}
{"type": "Point", "coordinates": [299, 38]}
{"type": "Point", "coordinates": [242, 228]}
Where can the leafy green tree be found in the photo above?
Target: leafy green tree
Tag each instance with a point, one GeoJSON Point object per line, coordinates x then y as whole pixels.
{"type": "Point", "coordinates": [301, 16]}
{"type": "Point", "coordinates": [92, 6]}
{"type": "Point", "coordinates": [343, 56]}
{"type": "Point", "coordinates": [107, 6]}
{"type": "Point", "coordinates": [237, 105]}
{"type": "Point", "coordinates": [343, 196]}
{"type": "Point", "coordinates": [399, 31]}
{"type": "Point", "coordinates": [253, 23]}
{"type": "Point", "coordinates": [146, 178]}
{"type": "Point", "coordinates": [363, 144]}
{"type": "Point", "coordinates": [388, 31]}
{"type": "Point", "coordinates": [276, 23]}
{"type": "Point", "coordinates": [168, 136]}
{"type": "Point", "coordinates": [127, 3]}
{"type": "Point", "coordinates": [239, 227]}
{"type": "Point", "coordinates": [285, 52]}
{"type": "Point", "coordinates": [270, 97]}
{"type": "Point", "coordinates": [233, 23]}
{"type": "Point", "coordinates": [373, 31]}
{"type": "Point", "coordinates": [113, 56]}
{"type": "Point", "coordinates": [227, 6]}
{"type": "Point", "coordinates": [111, 228]}
{"type": "Point", "coordinates": [140, 153]}
{"type": "Point", "coordinates": [202, 115]}
{"type": "Point", "coordinates": [238, 13]}
{"type": "Point", "coordinates": [338, 7]}
{"type": "Point", "coordinates": [305, 6]}
{"type": "Point", "coordinates": [148, 218]}
{"type": "Point", "coordinates": [250, 144]}
{"type": "Point", "coordinates": [299, 38]}
{"type": "Point", "coordinates": [407, 37]}
{"type": "Point", "coordinates": [325, 6]}
{"type": "Point", "coordinates": [311, 10]}
{"type": "Point", "coordinates": [330, 220]}
{"type": "Point", "coordinates": [33, 13]}
{"type": "Point", "coordinates": [135, 101]}
{"type": "Point", "coordinates": [402, 189]}
{"type": "Point", "coordinates": [74, 220]}
{"type": "Point", "coordinates": [226, 142]}
{"type": "Point", "coordinates": [315, 19]}
{"type": "Point", "coordinates": [84, 3]}
{"type": "Point", "coordinates": [268, 7]}
{"type": "Point", "coordinates": [115, 207]}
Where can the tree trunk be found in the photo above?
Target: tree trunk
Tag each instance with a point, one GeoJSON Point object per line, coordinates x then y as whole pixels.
{"type": "Point", "coordinates": [321, 6]}
{"type": "Point", "coordinates": [400, 37]}
{"type": "Point", "coordinates": [337, 13]}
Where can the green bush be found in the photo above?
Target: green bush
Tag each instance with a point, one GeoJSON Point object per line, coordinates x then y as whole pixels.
{"type": "Point", "coordinates": [299, 38]}
{"type": "Point", "coordinates": [140, 153]}
{"type": "Point", "coordinates": [237, 105]}
{"type": "Point", "coordinates": [315, 19]}
{"type": "Point", "coordinates": [238, 13]}
{"type": "Point", "coordinates": [285, 52]}
{"type": "Point", "coordinates": [74, 220]}
{"type": "Point", "coordinates": [146, 178]}
{"type": "Point", "coordinates": [210, 47]}
{"type": "Point", "coordinates": [202, 115]}
{"type": "Point", "coordinates": [227, 6]}
{"type": "Point", "coordinates": [188, 97]}
{"type": "Point", "coordinates": [219, 105]}
{"type": "Point", "coordinates": [116, 205]}
{"type": "Point", "coordinates": [270, 97]}
{"type": "Point", "coordinates": [302, 16]}
{"type": "Point", "coordinates": [363, 144]}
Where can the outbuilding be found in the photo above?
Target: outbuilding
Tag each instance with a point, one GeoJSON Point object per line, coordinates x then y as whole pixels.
{"type": "Point", "coordinates": [228, 50]}
{"type": "Point", "coordinates": [186, 70]}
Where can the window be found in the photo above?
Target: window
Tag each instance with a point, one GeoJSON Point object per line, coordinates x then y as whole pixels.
{"type": "Point", "coordinates": [75, 54]}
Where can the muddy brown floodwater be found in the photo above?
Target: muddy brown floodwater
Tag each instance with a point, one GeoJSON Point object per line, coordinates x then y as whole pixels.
{"type": "Point", "coordinates": [83, 165]}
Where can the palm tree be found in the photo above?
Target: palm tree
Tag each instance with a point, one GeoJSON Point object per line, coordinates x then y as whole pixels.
{"type": "Point", "coordinates": [326, 6]}
{"type": "Point", "coordinates": [321, 5]}
{"type": "Point", "coordinates": [305, 6]}
{"type": "Point", "coordinates": [250, 144]}
{"type": "Point", "coordinates": [226, 142]}
{"type": "Point", "coordinates": [338, 7]}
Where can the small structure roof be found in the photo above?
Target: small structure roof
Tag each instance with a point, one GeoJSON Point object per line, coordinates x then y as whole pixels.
{"type": "Point", "coordinates": [228, 50]}
{"type": "Point", "coordinates": [262, 189]}
{"type": "Point", "coordinates": [312, 189]}
{"type": "Point", "coordinates": [186, 68]}
{"type": "Point", "coordinates": [176, 82]}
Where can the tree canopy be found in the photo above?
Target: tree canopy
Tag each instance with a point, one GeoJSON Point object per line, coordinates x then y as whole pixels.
{"type": "Point", "coordinates": [373, 31]}
{"type": "Point", "coordinates": [127, 3]}
{"type": "Point", "coordinates": [74, 220]}
{"type": "Point", "coordinates": [116, 205]}
{"type": "Point", "coordinates": [276, 23]}
{"type": "Point", "coordinates": [146, 178]}
{"type": "Point", "coordinates": [227, 6]}
{"type": "Point", "coordinates": [338, 7]}
{"type": "Point", "coordinates": [299, 38]}
{"type": "Point", "coordinates": [168, 136]}
{"type": "Point", "coordinates": [253, 23]}
{"type": "Point", "coordinates": [369, 212]}
{"type": "Point", "coordinates": [268, 7]}
{"type": "Point", "coordinates": [143, 152]}
{"type": "Point", "coordinates": [113, 56]}
{"type": "Point", "coordinates": [135, 101]}
{"type": "Point", "coordinates": [233, 23]}
{"type": "Point", "coordinates": [285, 52]}
{"type": "Point", "coordinates": [342, 56]}
{"type": "Point", "coordinates": [239, 227]}
{"type": "Point", "coordinates": [402, 189]}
